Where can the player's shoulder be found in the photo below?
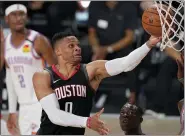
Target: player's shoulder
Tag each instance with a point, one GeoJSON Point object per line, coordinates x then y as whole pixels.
{"type": "Point", "coordinates": [40, 75]}
{"type": "Point", "coordinates": [7, 37]}
{"type": "Point", "coordinates": [41, 40]}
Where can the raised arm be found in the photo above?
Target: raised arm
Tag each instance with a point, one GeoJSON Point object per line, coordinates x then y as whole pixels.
{"type": "Point", "coordinates": [103, 68]}
{"type": "Point", "coordinates": [49, 102]}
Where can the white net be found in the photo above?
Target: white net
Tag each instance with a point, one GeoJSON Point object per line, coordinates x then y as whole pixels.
{"type": "Point", "coordinates": [172, 21]}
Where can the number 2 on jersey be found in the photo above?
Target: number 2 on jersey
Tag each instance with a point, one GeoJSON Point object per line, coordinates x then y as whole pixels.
{"type": "Point", "coordinates": [21, 81]}
{"type": "Point", "coordinates": [69, 107]}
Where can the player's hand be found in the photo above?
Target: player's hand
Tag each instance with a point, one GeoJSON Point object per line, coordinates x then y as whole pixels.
{"type": "Point", "coordinates": [97, 125]}
{"type": "Point", "coordinates": [12, 124]}
{"type": "Point", "coordinates": [153, 41]}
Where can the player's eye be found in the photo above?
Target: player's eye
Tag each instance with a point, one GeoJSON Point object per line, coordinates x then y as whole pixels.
{"type": "Point", "coordinates": [71, 45]}
{"type": "Point", "coordinates": [21, 13]}
{"type": "Point", "coordinates": [13, 14]}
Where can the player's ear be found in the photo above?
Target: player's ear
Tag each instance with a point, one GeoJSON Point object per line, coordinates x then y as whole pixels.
{"type": "Point", "coordinates": [57, 52]}
{"type": "Point", "coordinates": [141, 120]}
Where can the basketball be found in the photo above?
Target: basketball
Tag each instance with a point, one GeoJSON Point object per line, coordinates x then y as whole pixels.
{"type": "Point", "coordinates": [151, 21]}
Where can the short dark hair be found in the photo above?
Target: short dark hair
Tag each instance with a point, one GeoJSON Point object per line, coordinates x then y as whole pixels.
{"type": "Point", "coordinates": [135, 107]}
{"type": "Point", "coordinates": [60, 35]}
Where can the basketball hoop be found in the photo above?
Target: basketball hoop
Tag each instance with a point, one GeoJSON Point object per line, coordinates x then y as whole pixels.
{"type": "Point", "coordinates": [172, 32]}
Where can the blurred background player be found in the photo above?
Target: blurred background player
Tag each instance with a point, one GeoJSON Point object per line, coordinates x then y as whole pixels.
{"type": "Point", "coordinates": [26, 52]}
{"type": "Point", "coordinates": [111, 34]}
{"type": "Point", "coordinates": [131, 119]}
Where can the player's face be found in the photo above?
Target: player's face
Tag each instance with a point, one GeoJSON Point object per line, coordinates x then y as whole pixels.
{"type": "Point", "coordinates": [16, 20]}
{"type": "Point", "coordinates": [129, 117]}
{"type": "Point", "coordinates": [70, 49]}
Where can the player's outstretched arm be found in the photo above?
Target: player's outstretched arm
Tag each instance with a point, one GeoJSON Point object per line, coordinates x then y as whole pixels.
{"type": "Point", "coordinates": [113, 67]}
{"type": "Point", "coordinates": [49, 102]}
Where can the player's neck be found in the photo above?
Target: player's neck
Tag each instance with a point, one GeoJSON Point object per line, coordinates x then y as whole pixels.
{"type": "Point", "coordinates": [66, 69]}
{"type": "Point", "coordinates": [134, 131]}
{"type": "Point", "coordinates": [19, 34]}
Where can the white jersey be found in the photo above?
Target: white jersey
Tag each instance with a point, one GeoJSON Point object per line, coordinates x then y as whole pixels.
{"type": "Point", "coordinates": [23, 62]}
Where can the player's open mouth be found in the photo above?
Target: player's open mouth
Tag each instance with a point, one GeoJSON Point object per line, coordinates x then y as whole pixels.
{"type": "Point", "coordinates": [78, 56]}
{"type": "Point", "coordinates": [125, 121]}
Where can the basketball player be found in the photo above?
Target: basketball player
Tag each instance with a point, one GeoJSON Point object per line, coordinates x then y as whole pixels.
{"type": "Point", "coordinates": [131, 119]}
{"type": "Point", "coordinates": [180, 76]}
{"type": "Point", "coordinates": [70, 86]}
{"type": "Point", "coordinates": [25, 53]}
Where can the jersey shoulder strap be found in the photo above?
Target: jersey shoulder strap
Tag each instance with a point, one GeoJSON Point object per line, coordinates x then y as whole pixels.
{"type": "Point", "coordinates": [83, 68]}
{"type": "Point", "coordinates": [7, 42]}
{"type": "Point", "coordinates": [32, 36]}
{"type": "Point", "coordinates": [49, 70]}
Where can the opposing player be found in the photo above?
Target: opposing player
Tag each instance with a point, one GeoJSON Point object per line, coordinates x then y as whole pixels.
{"type": "Point", "coordinates": [26, 52]}
{"type": "Point", "coordinates": [70, 86]}
{"type": "Point", "coordinates": [131, 119]}
{"type": "Point", "coordinates": [180, 76]}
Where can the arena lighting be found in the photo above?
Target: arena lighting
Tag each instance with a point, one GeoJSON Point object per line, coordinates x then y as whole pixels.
{"type": "Point", "coordinates": [84, 4]}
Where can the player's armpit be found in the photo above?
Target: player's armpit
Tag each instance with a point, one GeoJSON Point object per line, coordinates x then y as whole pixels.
{"type": "Point", "coordinates": [44, 48]}
{"type": "Point", "coordinates": [97, 68]}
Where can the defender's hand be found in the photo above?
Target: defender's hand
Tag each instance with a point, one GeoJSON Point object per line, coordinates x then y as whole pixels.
{"type": "Point", "coordinates": [153, 41]}
{"type": "Point", "coordinates": [96, 124]}
{"type": "Point", "coordinates": [12, 124]}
